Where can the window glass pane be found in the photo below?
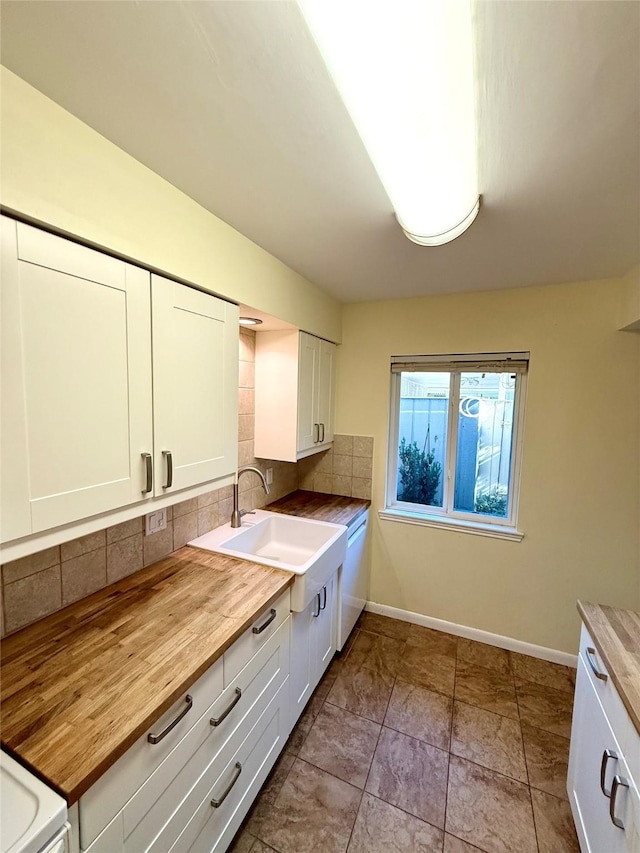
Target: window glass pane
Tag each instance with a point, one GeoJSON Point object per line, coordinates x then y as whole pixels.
{"type": "Point", "coordinates": [422, 437]}
{"type": "Point", "coordinates": [485, 434]}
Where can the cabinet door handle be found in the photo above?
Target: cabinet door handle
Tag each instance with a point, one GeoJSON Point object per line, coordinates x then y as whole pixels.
{"type": "Point", "coordinates": [591, 659]}
{"type": "Point", "coordinates": [317, 613]}
{"type": "Point", "coordinates": [316, 433]}
{"type": "Point", "coordinates": [167, 455]}
{"type": "Point", "coordinates": [216, 803]}
{"type": "Point", "coordinates": [148, 463]}
{"type": "Point", "coordinates": [618, 782]}
{"type": "Point", "coordinates": [215, 721]}
{"type": "Point", "coordinates": [163, 734]}
{"type": "Point", "coordinates": [322, 434]}
{"type": "Point", "coordinates": [324, 598]}
{"type": "Point", "coordinates": [266, 624]}
{"type": "Point", "coordinates": [606, 755]}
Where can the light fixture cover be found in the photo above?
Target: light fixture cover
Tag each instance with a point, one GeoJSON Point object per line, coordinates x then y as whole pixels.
{"type": "Point", "coordinates": [249, 321]}
{"type": "Point", "coordinates": [404, 69]}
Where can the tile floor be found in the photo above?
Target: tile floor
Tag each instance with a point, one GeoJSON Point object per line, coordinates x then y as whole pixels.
{"type": "Point", "coordinates": [422, 742]}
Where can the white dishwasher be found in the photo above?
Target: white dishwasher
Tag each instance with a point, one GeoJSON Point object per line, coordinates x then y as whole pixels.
{"type": "Point", "coordinates": [353, 579]}
{"type": "Point", "coordinates": [33, 818]}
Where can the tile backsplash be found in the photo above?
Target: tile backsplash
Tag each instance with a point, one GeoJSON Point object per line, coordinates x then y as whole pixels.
{"type": "Point", "coordinates": [346, 469]}
{"type": "Point", "coordinates": [40, 584]}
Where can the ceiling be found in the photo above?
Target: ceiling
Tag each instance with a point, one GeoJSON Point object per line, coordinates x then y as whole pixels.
{"type": "Point", "coordinates": [231, 103]}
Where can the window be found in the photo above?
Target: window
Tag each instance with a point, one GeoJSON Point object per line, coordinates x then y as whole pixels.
{"type": "Point", "coordinates": [455, 439]}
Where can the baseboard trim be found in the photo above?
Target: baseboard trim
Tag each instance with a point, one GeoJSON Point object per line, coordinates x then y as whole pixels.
{"type": "Point", "coordinates": [480, 636]}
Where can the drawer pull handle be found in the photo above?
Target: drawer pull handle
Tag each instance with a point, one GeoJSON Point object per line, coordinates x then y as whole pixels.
{"type": "Point", "coordinates": [591, 658]}
{"type": "Point", "coordinates": [169, 457]}
{"type": "Point", "coordinates": [216, 803]}
{"type": "Point", "coordinates": [322, 434]}
{"type": "Point", "coordinates": [148, 464]}
{"type": "Point", "coordinates": [316, 433]}
{"type": "Point", "coordinates": [324, 598]}
{"type": "Point", "coordinates": [266, 624]}
{"type": "Point", "coordinates": [163, 734]}
{"type": "Point", "coordinates": [618, 782]}
{"type": "Point", "coordinates": [317, 612]}
{"type": "Point", "coordinates": [606, 755]}
{"type": "Point", "coordinates": [215, 721]}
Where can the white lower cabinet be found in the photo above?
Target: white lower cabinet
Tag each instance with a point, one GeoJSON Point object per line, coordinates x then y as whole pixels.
{"type": "Point", "coordinates": [313, 643]}
{"type": "Point", "coordinates": [601, 785]}
{"type": "Point", "coordinates": [170, 808]}
{"type": "Point", "coordinates": [190, 791]}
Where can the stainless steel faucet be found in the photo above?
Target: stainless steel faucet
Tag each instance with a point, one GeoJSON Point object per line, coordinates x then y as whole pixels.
{"type": "Point", "coordinates": [236, 515]}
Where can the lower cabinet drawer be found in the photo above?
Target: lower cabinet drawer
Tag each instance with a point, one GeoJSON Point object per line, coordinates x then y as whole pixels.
{"type": "Point", "coordinates": [211, 829]}
{"type": "Point", "coordinates": [246, 646]}
{"type": "Point", "coordinates": [109, 794]}
{"type": "Point", "coordinates": [157, 813]}
{"type": "Point", "coordinates": [154, 818]}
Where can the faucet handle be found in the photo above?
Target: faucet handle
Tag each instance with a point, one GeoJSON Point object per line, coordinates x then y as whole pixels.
{"type": "Point", "coordinates": [247, 512]}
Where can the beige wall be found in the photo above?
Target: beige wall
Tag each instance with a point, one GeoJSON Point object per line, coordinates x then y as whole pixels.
{"type": "Point", "coordinates": [58, 171]}
{"type": "Point", "coordinates": [579, 504]}
{"type": "Point", "coordinates": [630, 314]}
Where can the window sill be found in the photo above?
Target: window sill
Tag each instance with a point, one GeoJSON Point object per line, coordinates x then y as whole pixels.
{"type": "Point", "coordinates": [476, 528]}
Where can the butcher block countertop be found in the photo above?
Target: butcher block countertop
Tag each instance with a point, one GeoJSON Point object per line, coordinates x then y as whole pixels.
{"type": "Point", "coordinates": [321, 507]}
{"type": "Point", "coordinates": [79, 687]}
{"type": "Point", "coordinates": [616, 634]}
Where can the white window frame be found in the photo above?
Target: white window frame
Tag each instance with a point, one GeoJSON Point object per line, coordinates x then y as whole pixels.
{"type": "Point", "coordinates": [446, 516]}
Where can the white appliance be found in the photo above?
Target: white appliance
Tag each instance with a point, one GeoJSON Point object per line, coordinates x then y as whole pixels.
{"type": "Point", "coordinates": [33, 818]}
{"type": "Point", "coordinates": [353, 579]}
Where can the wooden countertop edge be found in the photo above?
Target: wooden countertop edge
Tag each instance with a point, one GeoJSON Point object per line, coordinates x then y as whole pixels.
{"type": "Point", "coordinates": [589, 613]}
{"type": "Point", "coordinates": [73, 794]}
{"type": "Point", "coordinates": [80, 789]}
{"type": "Point", "coordinates": [363, 505]}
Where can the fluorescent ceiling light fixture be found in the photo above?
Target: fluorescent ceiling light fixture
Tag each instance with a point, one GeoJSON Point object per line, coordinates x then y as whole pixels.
{"type": "Point", "coordinates": [249, 321]}
{"type": "Point", "coordinates": [404, 69]}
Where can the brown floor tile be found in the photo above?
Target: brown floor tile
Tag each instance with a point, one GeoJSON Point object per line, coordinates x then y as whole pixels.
{"type": "Point", "coordinates": [444, 644]}
{"type": "Point", "coordinates": [341, 743]}
{"type": "Point", "coordinates": [544, 672]}
{"type": "Point", "coordinates": [554, 824]}
{"type": "Point", "coordinates": [296, 740]}
{"type": "Point", "coordinates": [488, 739]}
{"type": "Point", "coordinates": [376, 652]}
{"type": "Point", "coordinates": [456, 845]}
{"type": "Point", "coordinates": [428, 668]}
{"type": "Point", "coordinates": [378, 624]}
{"type": "Point", "coordinates": [260, 847]}
{"type": "Point", "coordinates": [313, 812]}
{"type": "Point", "coordinates": [486, 688]}
{"type": "Point", "coordinates": [544, 707]}
{"type": "Point", "coordinates": [410, 774]}
{"type": "Point", "coordinates": [269, 792]}
{"type": "Point", "coordinates": [308, 716]}
{"type": "Point", "coordinates": [547, 758]}
{"type": "Point", "coordinates": [489, 810]}
{"type": "Point", "coordinates": [242, 843]}
{"type": "Point", "coordinates": [382, 828]}
{"type": "Point", "coordinates": [481, 654]}
{"type": "Point", "coordinates": [353, 636]}
{"type": "Point", "coordinates": [420, 713]}
{"type": "Point", "coordinates": [364, 692]}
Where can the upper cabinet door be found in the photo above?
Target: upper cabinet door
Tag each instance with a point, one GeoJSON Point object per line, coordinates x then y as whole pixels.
{"type": "Point", "coordinates": [195, 382]}
{"type": "Point", "coordinates": [76, 381]}
{"type": "Point", "coordinates": [325, 390]}
{"type": "Point", "coordinates": [308, 362]}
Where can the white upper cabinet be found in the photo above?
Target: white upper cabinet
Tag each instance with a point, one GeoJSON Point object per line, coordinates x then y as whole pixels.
{"type": "Point", "coordinates": [88, 406]}
{"type": "Point", "coordinates": [76, 381]}
{"type": "Point", "coordinates": [294, 395]}
{"type": "Point", "coordinates": [195, 381]}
